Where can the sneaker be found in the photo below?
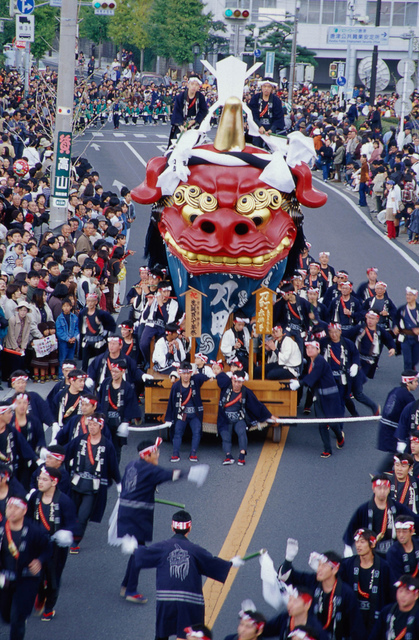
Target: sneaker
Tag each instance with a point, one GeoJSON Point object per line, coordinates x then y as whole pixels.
{"type": "Point", "coordinates": [378, 412]}
{"type": "Point", "coordinates": [341, 442]}
{"type": "Point", "coordinates": [123, 592]}
{"type": "Point", "coordinates": [228, 459]}
{"type": "Point", "coordinates": [47, 616]}
{"type": "Point", "coordinates": [241, 461]}
{"type": "Point", "coordinates": [137, 597]}
{"type": "Point", "coordinates": [307, 410]}
{"type": "Point", "coordinates": [325, 454]}
{"type": "Point", "coordinates": [39, 605]}
{"type": "Point", "coordinates": [175, 458]}
{"type": "Point", "coordinates": [74, 550]}
{"type": "Point", "coordinates": [193, 457]}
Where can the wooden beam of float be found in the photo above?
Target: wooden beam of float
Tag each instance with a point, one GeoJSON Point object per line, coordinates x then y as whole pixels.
{"type": "Point", "coordinates": [263, 320]}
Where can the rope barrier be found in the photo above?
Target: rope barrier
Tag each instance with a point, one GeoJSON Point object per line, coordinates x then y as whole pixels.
{"type": "Point", "coordinates": [288, 421]}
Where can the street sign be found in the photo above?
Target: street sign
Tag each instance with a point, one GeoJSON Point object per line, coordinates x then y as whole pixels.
{"type": "Point", "coordinates": [257, 53]}
{"type": "Point", "coordinates": [61, 183]}
{"type": "Point", "coordinates": [104, 12]}
{"type": "Point", "coordinates": [19, 44]}
{"type": "Point", "coordinates": [55, 3]}
{"type": "Point", "coordinates": [334, 90]}
{"type": "Point", "coordinates": [25, 27]}
{"type": "Point", "coordinates": [269, 63]}
{"type": "Point", "coordinates": [403, 105]}
{"type": "Point", "coordinates": [25, 6]}
{"type": "Point", "coordinates": [406, 67]}
{"type": "Point", "coordinates": [405, 84]}
{"type": "Point", "coordinates": [366, 36]}
{"type": "Point", "coordinates": [341, 81]}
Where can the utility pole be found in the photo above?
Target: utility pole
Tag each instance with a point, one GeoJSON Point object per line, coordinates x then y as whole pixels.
{"type": "Point", "coordinates": [294, 52]}
{"type": "Point", "coordinates": [373, 82]}
{"type": "Point", "coordinates": [60, 184]}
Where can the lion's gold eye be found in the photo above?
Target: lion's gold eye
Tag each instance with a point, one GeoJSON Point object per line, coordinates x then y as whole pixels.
{"type": "Point", "coordinates": [179, 195]}
{"type": "Point", "coordinates": [275, 199]}
{"type": "Point", "coordinates": [207, 202]}
{"type": "Point", "coordinates": [262, 198]}
{"type": "Point", "coordinates": [192, 194]}
{"type": "Point", "coordinates": [246, 204]}
{"type": "Point", "coordinates": [260, 216]}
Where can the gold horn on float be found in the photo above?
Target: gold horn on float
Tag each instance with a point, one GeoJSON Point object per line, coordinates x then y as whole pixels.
{"type": "Point", "coordinates": [230, 134]}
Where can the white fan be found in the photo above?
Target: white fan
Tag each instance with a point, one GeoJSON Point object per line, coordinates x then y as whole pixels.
{"type": "Point", "coordinates": [383, 73]}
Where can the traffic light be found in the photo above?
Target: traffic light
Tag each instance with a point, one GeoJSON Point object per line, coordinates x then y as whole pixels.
{"type": "Point", "coordinates": [333, 70]}
{"type": "Point", "coordinates": [104, 7]}
{"type": "Point", "coordinates": [236, 14]}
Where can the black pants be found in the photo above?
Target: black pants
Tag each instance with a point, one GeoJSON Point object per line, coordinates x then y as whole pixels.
{"type": "Point", "coordinates": [85, 503]}
{"type": "Point", "coordinates": [16, 604]}
{"type": "Point", "coordinates": [51, 577]}
{"type": "Point", "coordinates": [132, 574]}
{"type": "Point", "coordinates": [324, 428]}
{"type": "Point", "coordinates": [273, 371]}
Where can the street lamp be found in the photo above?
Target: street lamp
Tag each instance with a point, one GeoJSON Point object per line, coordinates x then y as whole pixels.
{"type": "Point", "coordinates": [294, 52]}
{"type": "Point", "coordinates": [196, 50]}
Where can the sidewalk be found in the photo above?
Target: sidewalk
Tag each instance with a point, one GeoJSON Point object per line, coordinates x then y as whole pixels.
{"type": "Point", "coordinates": [402, 240]}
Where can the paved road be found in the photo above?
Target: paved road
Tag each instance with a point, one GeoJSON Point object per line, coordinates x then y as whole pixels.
{"type": "Point", "coordinates": [311, 499]}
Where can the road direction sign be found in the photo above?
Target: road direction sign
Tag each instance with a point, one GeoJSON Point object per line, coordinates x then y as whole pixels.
{"type": "Point", "coordinates": [341, 81]}
{"type": "Point", "coordinates": [398, 106]}
{"type": "Point", "coordinates": [257, 53]}
{"type": "Point", "coordinates": [25, 27]}
{"type": "Point", "coordinates": [367, 36]}
{"type": "Point", "coordinates": [25, 6]}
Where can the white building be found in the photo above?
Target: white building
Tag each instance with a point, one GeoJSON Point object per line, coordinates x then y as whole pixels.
{"type": "Point", "coordinates": [316, 16]}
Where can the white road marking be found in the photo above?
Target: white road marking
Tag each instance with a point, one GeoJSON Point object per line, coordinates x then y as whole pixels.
{"type": "Point", "coordinates": [160, 135]}
{"type": "Point", "coordinates": [140, 135]}
{"type": "Point", "coordinates": [137, 155]}
{"type": "Point", "coordinates": [119, 135]}
{"type": "Point", "coordinates": [371, 225]}
{"type": "Point", "coordinates": [97, 134]}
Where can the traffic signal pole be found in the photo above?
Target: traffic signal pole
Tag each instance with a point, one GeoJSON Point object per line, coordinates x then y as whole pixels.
{"type": "Point", "coordinates": [64, 105]}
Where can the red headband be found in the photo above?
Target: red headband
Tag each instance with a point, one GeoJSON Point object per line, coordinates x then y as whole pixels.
{"type": "Point", "coordinates": [151, 448]}
{"type": "Point", "coordinates": [182, 526]}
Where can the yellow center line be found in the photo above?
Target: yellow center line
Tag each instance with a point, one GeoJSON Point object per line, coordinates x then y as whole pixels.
{"type": "Point", "coordinates": [245, 523]}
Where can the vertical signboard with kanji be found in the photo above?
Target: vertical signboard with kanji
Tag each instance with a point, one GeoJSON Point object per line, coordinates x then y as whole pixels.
{"type": "Point", "coordinates": [264, 318]}
{"type": "Point", "coordinates": [61, 185]}
{"type": "Point", "coordinates": [193, 316]}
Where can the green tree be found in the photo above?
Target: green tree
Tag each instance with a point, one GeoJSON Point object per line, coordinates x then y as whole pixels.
{"type": "Point", "coordinates": [127, 27]}
{"type": "Point", "coordinates": [46, 27]}
{"type": "Point", "coordinates": [175, 26]}
{"type": "Point", "coordinates": [215, 42]}
{"type": "Point", "coordinates": [278, 37]}
{"type": "Point", "coordinates": [94, 27]}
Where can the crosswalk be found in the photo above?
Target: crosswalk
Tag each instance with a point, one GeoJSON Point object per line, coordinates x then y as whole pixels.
{"type": "Point", "coordinates": [120, 134]}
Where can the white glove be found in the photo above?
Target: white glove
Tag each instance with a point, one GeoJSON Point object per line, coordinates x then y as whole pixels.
{"type": "Point", "coordinates": [166, 425]}
{"type": "Point", "coordinates": [248, 605]}
{"type": "Point", "coordinates": [55, 429]}
{"type": "Point", "coordinates": [2, 580]}
{"type": "Point", "coordinates": [401, 447]}
{"type": "Point", "coordinates": [43, 453]}
{"type": "Point", "coordinates": [347, 552]}
{"type": "Point", "coordinates": [63, 538]}
{"type": "Point", "coordinates": [39, 462]}
{"type": "Point", "coordinates": [123, 430]}
{"type": "Point", "coordinates": [198, 474]}
{"type": "Point", "coordinates": [294, 385]}
{"type": "Point", "coordinates": [237, 562]}
{"type": "Point", "coordinates": [146, 376]}
{"type": "Point", "coordinates": [119, 488]}
{"type": "Point", "coordinates": [129, 545]}
{"type": "Point", "coordinates": [90, 383]}
{"type": "Point", "coordinates": [314, 560]}
{"type": "Point", "coordinates": [353, 370]}
{"type": "Point", "coordinates": [291, 550]}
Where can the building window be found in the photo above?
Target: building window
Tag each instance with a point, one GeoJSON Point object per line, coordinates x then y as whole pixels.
{"type": "Point", "coordinates": [385, 12]}
{"type": "Point", "coordinates": [334, 11]}
{"type": "Point", "coordinates": [405, 14]}
{"type": "Point", "coordinates": [310, 11]}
